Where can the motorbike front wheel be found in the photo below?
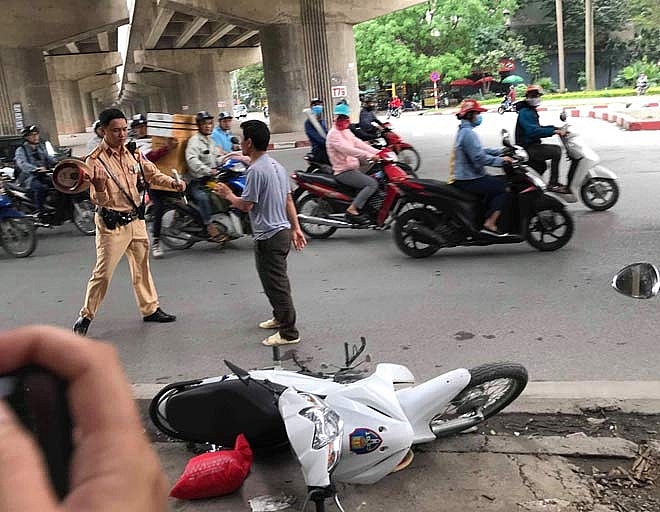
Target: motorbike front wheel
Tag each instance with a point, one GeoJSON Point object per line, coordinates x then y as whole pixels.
{"type": "Point", "coordinates": [599, 193]}
{"type": "Point", "coordinates": [173, 233]}
{"type": "Point", "coordinates": [411, 157]}
{"type": "Point", "coordinates": [315, 207]}
{"type": "Point", "coordinates": [500, 110]}
{"type": "Point", "coordinates": [18, 236]}
{"type": "Point", "coordinates": [549, 229]}
{"type": "Point", "coordinates": [404, 236]}
{"type": "Point", "coordinates": [492, 387]}
{"type": "Point", "coordinates": [83, 217]}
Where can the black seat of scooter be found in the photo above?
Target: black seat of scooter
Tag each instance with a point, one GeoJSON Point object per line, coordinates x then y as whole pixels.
{"type": "Point", "coordinates": [322, 178]}
{"type": "Point", "coordinates": [442, 187]}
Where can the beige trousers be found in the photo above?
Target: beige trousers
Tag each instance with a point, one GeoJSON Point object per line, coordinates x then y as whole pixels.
{"type": "Point", "coordinates": [111, 245]}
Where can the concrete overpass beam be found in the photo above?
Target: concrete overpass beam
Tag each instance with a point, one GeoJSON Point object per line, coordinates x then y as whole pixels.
{"type": "Point", "coordinates": [79, 66]}
{"type": "Point", "coordinates": [24, 82]}
{"type": "Point", "coordinates": [86, 86]}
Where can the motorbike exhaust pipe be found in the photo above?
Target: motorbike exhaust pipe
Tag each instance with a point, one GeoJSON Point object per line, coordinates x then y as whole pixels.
{"type": "Point", "coordinates": [325, 222]}
{"type": "Point", "coordinates": [439, 429]}
{"type": "Point", "coordinates": [426, 235]}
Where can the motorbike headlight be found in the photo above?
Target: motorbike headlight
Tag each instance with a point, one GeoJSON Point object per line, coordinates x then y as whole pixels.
{"type": "Point", "coordinates": [239, 167]}
{"type": "Point", "coordinates": [328, 428]}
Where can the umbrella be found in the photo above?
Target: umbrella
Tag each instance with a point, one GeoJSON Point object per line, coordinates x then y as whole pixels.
{"type": "Point", "coordinates": [513, 79]}
{"type": "Point", "coordinates": [484, 80]}
{"type": "Point", "coordinates": [461, 82]}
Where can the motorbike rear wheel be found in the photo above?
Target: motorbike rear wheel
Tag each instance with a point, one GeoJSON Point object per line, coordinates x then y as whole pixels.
{"type": "Point", "coordinates": [599, 193]}
{"type": "Point", "coordinates": [18, 236]}
{"type": "Point", "coordinates": [410, 156]}
{"type": "Point", "coordinates": [549, 229]}
{"type": "Point", "coordinates": [492, 387]}
{"type": "Point", "coordinates": [315, 207]}
{"type": "Point", "coordinates": [83, 217]}
{"type": "Point", "coordinates": [173, 234]}
{"type": "Point", "coordinates": [405, 239]}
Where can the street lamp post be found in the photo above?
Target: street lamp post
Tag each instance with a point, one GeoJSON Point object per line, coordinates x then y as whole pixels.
{"type": "Point", "coordinates": [559, 13]}
{"type": "Point", "coordinates": [590, 68]}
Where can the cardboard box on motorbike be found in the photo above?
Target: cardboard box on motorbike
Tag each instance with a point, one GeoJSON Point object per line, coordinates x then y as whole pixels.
{"type": "Point", "coordinates": [178, 126]}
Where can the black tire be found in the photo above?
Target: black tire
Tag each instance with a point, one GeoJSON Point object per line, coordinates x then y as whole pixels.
{"type": "Point", "coordinates": [599, 194]}
{"type": "Point", "coordinates": [405, 241]}
{"type": "Point", "coordinates": [83, 217]}
{"type": "Point", "coordinates": [500, 110]}
{"type": "Point", "coordinates": [411, 157]}
{"type": "Point", "coordinates": [549, 229]}
{"type": "Point", "coordinates": [476, 396]}
{"type": "Point", "coordinates": [18, 236]}
{"type": "Point", "coordinates": [315, 207]}
{"type": "Point", "coordinates": [172, 234]}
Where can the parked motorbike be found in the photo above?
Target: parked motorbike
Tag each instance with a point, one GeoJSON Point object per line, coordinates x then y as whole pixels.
{"type": "Point", "coordinates": [593, 183]}
{"type": "Point", "coordinates": [344, 426]}
{"type": "Point", "coordinates": [506, 106]}
{"type": "Point", "coordinates": [18, 234]}
{"type": "Point", "coordinates": [182, 223]}
{"type": "Point", "coordinates": [58, 207]}
{"type": "Point", "coordinates": [441, 215]}
{"type": "Point", "coordinates": [322, 201]}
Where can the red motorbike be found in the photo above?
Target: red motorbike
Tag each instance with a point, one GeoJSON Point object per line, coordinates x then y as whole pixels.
{"type": "Point", "coordinates": [321, 201]}
{"type": "Point", "coordinates": [386, 138]}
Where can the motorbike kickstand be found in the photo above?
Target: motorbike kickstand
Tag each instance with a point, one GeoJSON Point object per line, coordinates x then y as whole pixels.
{"type": "Point", "coordinates": [318, 496]}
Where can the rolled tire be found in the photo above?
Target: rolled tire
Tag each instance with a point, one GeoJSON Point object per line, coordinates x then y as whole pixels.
{"type": "Point", "coordinates": [549, 229]}
{"type": "Point", "coordinates": [405, 240]}
{"type": "Point", "coordinates": [172, 231]}
{"type": "Point", "coordinates": [599, 194]}
{"type": "Point", "coordinates": [315, 207]}
{"type": "Point", "coordinates": [505, 380]}
{"type": "Point", "coordinates": [411, 157]}
{"type": "Point", "coordinates": [83, 217]}
{"type": "Point", "coordinates": [18, 236]}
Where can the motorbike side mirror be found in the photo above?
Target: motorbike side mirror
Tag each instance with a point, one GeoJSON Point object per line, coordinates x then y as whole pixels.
{"type": "Point", "coordinates": [563, 116]}
{"type": "Point", "coordinates": [638, 280]}
{"type": "Point", "coordinates": [506, 138]}
{"type": "Point", "coordinates": [234, 140]}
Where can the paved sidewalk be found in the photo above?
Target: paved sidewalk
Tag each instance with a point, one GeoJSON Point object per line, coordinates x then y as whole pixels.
{"type": "Point", "coordinates": [513, 469]}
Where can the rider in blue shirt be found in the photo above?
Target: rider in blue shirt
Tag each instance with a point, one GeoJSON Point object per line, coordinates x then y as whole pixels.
{"type": "Point", "coordinates": [221, 134]}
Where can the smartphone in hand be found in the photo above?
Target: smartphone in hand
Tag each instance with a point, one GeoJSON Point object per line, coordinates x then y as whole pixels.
{"type": "Point", "coordinates": [39, 399]}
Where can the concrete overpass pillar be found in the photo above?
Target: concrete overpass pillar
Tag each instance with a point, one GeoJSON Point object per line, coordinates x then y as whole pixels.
{"type": "Point", "coordinates": [24, 82]}
{"type": "Point", "coordinates": [67, 105]}
{"type": "Point", "coordinates": [87, 108]}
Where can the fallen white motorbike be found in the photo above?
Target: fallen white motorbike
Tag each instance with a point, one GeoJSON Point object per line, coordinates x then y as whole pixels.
{"type": "Point", "coordinates": [591, 182]}
{"type": "Point", "coordinates": [344, 426]}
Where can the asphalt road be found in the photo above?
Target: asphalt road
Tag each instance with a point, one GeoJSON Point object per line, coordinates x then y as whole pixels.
{"type": "Point", "coordinates": [553, 312]}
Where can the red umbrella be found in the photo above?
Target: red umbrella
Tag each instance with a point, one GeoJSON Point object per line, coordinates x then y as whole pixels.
{"type": "Point", "coordinates": [484, 80]}
{"type": "Point", "coordinates": [461, 82]}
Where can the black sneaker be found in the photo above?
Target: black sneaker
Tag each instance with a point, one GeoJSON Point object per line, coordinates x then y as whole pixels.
{"type": "Point", "coordinates": [356, 219]}
{"type": "Point", "coordinates": [159, 316]}
{"type": "Point", "coordinates": [81, 325]}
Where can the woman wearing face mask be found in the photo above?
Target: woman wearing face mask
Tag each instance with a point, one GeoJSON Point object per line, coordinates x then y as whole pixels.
{"type": "Point", "coordinates": [467, 166]}
{"type": "Point", "coordinates": [345, 151]}
{"type": "Point", "coordinates": [529, 133]}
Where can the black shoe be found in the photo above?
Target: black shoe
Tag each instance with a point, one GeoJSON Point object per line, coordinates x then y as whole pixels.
{"type": "Point", "coordinates": [159, 316]}
{"type": "Point", "coordinates": [81, 325]}
{"type": "Point", "coordinates": [356, 219]}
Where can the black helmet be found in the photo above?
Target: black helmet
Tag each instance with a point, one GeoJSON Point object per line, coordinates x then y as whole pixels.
{"type": "Point", "coordinates": [33, 128]}
{"type": "Point", "coordinates": [224, 115]}
{"type": "Point", "coordinates": [138, 120]}
{"type": "Point", "coordinates": [315, 101]}
{"type": "Point", "coordinates": [202, 115]}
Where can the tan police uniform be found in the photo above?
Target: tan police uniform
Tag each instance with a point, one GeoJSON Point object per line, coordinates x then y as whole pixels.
{"type": "Point", "coordinates": [130, 239]}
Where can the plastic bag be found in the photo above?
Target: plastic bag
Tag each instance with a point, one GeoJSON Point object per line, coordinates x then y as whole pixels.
{"type": "Point", "coordinates": [214, 473]}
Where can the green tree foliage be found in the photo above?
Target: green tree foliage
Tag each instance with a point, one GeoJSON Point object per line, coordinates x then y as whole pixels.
{"type": "Point", "coordinates": [251, 84]}
{"type": "Point", "coordinates": [630, 73]}
{"type": "Point", "coordinates": [442, 35]}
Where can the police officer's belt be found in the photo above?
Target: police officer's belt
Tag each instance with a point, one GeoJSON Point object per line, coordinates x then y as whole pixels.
{"type": "Point", "coordinates": [113, 218]}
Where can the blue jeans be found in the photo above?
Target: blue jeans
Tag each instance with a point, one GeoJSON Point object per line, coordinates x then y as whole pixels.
{"type": "Point", "coordinates": [200, 195]}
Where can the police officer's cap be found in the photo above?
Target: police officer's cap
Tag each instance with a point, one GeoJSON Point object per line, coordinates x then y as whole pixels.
{"type": "Point", "coordinates": [224, 115]}
{"type": "Point", "coordinates": [202, 115]}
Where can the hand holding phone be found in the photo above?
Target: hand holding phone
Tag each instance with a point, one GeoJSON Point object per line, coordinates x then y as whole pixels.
{"type": "Point", "coordinates": [112, 463]}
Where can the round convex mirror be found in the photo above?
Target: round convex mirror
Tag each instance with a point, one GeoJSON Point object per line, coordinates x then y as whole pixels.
{"type": "Point", "coordinates": [638, 280]}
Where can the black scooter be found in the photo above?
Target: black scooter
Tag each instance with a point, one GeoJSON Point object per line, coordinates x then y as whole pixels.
{"type": "Point", "coordinates": [441, 215]}
{"type": "Point", "coordinates": [506, 106]}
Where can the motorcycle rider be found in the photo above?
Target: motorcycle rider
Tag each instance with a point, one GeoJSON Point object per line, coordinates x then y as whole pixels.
{"type": "Point", "coordinates": [202, 155]}
{"type": "Point", "coordinates": [367, 118]}
{"type": "Point", "coordinates": [529, 133]}
{"type": "Point", "coordinates": [345, 150]}
{"type": "Point", "coordinates": [642, 84]}
{"type": "Point", "coordinates": [468, 162]}
{"type": "Point", "coordinates": [316, 130]}
{"type": "Point", "coordinates": [97, 138]}
{"type": "Point", "coordinates": [221, 134]}
{"type": "Point", "coordinates": [31, 158]}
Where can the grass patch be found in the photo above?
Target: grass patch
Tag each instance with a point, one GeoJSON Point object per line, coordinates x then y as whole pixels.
{"type": "Point", "coordinates": [602, 93]}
